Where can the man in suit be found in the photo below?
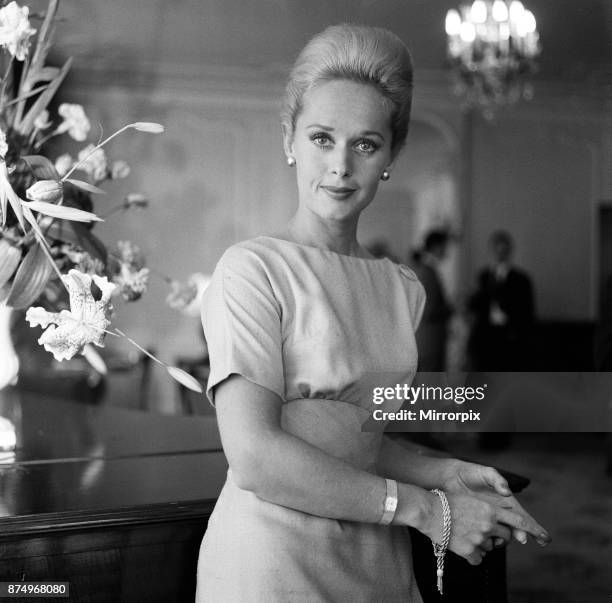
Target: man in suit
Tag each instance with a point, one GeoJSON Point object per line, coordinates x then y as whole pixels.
{"type": "Point", "coordinates": [603, 352]}
{"type": "Point", "coordinates": [603, 337]}
{"type": "Point", "coordinates": [503, 312]}
{"type": "Point", "coordinates": [432, 333]}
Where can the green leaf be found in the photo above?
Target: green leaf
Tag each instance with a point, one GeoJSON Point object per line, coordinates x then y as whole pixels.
{"type": "Point", "coordinates": [37, 71]}
{"type": "Point", "coordinates": [78, 234]}
{"type": "Point", "coordinates": [9, 260]}
{"type": "Point", "coordinates": [61, 211]}
{"type": "Point", "coordinates": [30, 280]}
{"type": "Point", "coordinates": [25, 126]}
{"type": "Point", "coordinates": [41, 167]}
{"type": "Point", "coordinates": [90, 188]}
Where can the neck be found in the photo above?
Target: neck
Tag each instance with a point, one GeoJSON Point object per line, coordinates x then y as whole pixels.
{"type": "Point", "coordinates": [337, 236]}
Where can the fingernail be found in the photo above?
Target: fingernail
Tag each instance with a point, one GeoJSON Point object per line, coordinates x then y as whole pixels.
{"type": "Point", "coordinates": [522, 539]}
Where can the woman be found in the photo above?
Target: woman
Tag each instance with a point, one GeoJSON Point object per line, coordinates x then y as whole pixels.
{"type": "Point", "coordinates": [300, 325]}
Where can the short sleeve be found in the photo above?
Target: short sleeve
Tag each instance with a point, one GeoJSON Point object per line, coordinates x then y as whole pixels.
{"type": "Point", "coordinates": [241, 321]}
{"type": "Point", "coordinates": [419, 306]}
{"type": "Point", "coordinates": [416, 295]}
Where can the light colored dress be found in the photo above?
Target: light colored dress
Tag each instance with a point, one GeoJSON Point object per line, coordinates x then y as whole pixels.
{"type": "Point", "coordinates": [318, 328]}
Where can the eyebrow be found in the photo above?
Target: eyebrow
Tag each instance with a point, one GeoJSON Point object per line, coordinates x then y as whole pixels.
{"type": "Point", "coordinates": [330, 129]}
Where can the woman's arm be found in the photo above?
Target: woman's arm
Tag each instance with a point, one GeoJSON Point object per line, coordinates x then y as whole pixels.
{"type": "Point", "coordinates": [402, 463]}
{"type": "Point", "coordinates": [283, 469]}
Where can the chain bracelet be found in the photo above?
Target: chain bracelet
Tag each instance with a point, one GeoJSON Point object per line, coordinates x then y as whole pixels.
{"type": "Point", "coordinates": [440, 548]}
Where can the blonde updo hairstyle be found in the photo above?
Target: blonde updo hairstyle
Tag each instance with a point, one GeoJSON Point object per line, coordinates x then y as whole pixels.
{"type": "Point", "coordinates": [367, 55]}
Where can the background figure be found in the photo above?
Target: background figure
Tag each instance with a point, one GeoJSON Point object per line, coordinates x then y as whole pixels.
{"type": "Point", "coordinates": [603, 352]}
{"type": "Point", "coordinates": [503, 312]}
{"type": "Point", "coordinates": [433, 332]}
{"type": "Point", "coordinates": [603, 337]}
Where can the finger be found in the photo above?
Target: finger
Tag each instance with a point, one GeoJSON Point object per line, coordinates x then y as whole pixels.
{"type": "Point", "coordinates": [496, 481]}
{"type": "Point", "coordinates": [486, 545]}
{"type": "Point", "coordinates": [499, 542]}
{"type": "Point", "coordinates": [475, 558]}
{"type": "Point", "coordinates": [520, 536]}
{"type": "Point", "coordinates": [502, 531]}
{"type": "Point", "coordinates": [524, 522]}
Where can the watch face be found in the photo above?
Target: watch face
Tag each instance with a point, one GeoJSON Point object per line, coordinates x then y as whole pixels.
{"type": "Point", "coordinates": [391, 504]}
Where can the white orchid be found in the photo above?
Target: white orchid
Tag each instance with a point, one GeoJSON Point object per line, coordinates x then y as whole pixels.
{"type": "Point", "coordinates": [69, 331]}
{"type": "Point", "coordinates": [187, 298]}
{"type": "Point", "coordinates": [120, 169]}
{"type": "Point", "coordinates": [83, 260]}
{"type": "Point", "coordinates": [93, 161]}
{"type": "Point", "coordinates": [128, 271]}
{"type": "Point", "coordinates": [132, 283]}
{"type": "Point", "coordinates": [15, 30]}
{"type": "Point", "coordinates": [75, 121]}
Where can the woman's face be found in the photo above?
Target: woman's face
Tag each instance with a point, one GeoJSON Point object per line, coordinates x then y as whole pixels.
{"type": "Point", "coordinates": [342, 145]}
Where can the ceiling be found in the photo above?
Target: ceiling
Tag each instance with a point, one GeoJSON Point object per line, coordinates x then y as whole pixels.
{"type": "Point", "coordinates": [576, 35]}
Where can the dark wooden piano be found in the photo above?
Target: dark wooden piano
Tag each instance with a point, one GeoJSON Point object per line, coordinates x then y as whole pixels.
{"type": "Point", "coordinates": [113, 501]}
{"type": "Point", "coordinates": [116, 501]}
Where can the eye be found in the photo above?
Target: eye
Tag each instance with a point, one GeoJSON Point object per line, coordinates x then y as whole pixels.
{"type": "Point", "coordinates": [366, 146]}
{"type": "Point", "coordinates": [321, 139]}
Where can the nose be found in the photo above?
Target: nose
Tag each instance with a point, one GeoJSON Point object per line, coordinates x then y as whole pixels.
{"type": "Point", "coordinates": [340, 162]}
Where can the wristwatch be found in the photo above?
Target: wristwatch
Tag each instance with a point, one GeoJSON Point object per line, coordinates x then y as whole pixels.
{"type": "Point", "coordinates": [390, 505]}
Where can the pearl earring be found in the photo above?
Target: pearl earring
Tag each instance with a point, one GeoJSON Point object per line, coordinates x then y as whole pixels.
{"type": "Point", "coordinates": [290, 161]}
{"type": "Point", "coordinates": [385, 176]}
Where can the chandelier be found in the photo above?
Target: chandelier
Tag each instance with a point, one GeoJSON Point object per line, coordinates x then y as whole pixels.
{"type": "Point", "coordinates": [492, 47]}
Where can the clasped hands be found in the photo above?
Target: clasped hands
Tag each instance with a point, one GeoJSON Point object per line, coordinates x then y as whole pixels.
{"type": "Point", "coordinates": [484, 513]}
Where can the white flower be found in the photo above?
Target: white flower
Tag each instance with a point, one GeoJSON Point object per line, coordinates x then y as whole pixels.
{"type": "Point", "coordinates": [63, 164]}
{"type": "Point", "coordinates": [132, 283]}
{"type": "Point", "coordinates": [96, 165]}
{"type": "Point", "coordinates": [130, 254]}
{"type": "Point", "coordinates": [120, 169]}
{"type": "Point", "coordinates": [83, 260]}
{"type": "Point", "coordinates": [3, 144]}
{"type": "Point", "coordinates": [84, 323]}
{"type": "Point", "coordinates": [75, 121]}
{"type": "Point", "coordinates": [42, 121]}
{"type": "Point", "coordinates": [15, 30]}
{"type": "Point", "coordinates": [187, 298]}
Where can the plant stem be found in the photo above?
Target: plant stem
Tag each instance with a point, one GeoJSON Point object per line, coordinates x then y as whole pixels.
{"type": "Point", "coordinates": [164, 278]}
{"type": "Point", "coordinates": [45, 138]}
{"type": "Point", "coordinates": [113, 210]}
{"type": "Point", "coordinates": [4, 82]}
{"type": "Point", "coordinates": [76, 165]}
{"type": "Point", "coordinates": [141, 348]}
{"type": "Point", "coordinates": [27, 95]}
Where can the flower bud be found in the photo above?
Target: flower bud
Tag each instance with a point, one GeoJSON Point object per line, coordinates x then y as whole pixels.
{"type": "Point", "coordinates": [147, 126]}
{"type": "Point", "coordinates": [48, 191]}
{"type": "Point", "coordinates": [135, 200]}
